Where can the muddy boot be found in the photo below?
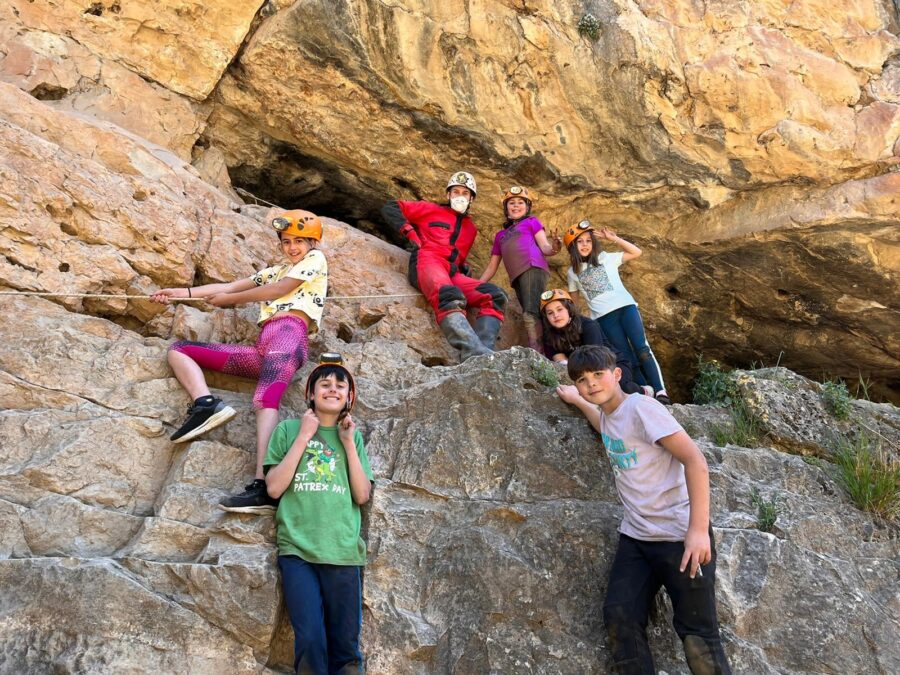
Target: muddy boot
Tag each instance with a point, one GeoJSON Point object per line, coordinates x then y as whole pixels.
{"type": "Point", "coordinates": [487, 328]}
{"type": "Point", "coordinates": [460, 335]}
{"type": "Point", "coordinates": [534, 331]}
{"type": "Point", "coordinates": [702, 660]}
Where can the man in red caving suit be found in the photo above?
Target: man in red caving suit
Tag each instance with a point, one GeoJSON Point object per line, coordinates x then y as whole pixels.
{"type": "Point", "coordinates": [442, 235]}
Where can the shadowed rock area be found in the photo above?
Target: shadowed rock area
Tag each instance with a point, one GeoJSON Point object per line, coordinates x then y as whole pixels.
{"type": "Point", "coordinates": [494, 518]}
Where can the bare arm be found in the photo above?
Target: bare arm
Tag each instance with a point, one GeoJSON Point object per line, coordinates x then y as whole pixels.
{"type": "Point", "coordinates": [279, 477]}
{"type": "Point", "coordinates": [164, 294]}
{"type": "Point", "coordinates": [360, 486]}
{"type": "Point", "coordinates": [569, 394]}
{"type": "Point", "coordinates": [254, 293]}
{"type": "Point", "coordinates": [631, 251]}
{"type": "Point", "coordinates": [491, 269]}
{"type": "Point", "coordinates": [544, 243]}
{"type": "Point", "coordinates": [697, 547]}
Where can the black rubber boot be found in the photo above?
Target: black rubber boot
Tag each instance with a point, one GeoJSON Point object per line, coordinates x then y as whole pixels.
{"type": "Point", "coordinates": [460, 335]}
{"type": "Point", "coordinates": [487, 328]}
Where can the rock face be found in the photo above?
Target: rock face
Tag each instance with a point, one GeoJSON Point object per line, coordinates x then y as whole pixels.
{"type": "Point", "coordinates": [750, 148]}
{"type": "Point", "coordinates": [494, 518]}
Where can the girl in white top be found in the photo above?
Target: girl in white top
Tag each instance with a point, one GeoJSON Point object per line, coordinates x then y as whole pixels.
{"type": "Point", "coordinates": [595, 273]}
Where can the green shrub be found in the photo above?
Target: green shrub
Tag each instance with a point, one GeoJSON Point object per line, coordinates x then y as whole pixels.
{"type": "Point", "coordinates": [589, 26]}
{"type": "Point", "coordinates": [766, 511]}
{"type": "Point", "coordinates": [837, 399]}
{"type": "Point", "coordinates": [745, 429]}
{"type": "Point", "coordinates": [544, 372]}
{"type": "Point", "coordinates": [869, 475]}
{"type": "Point", "coordinates": [714, 385]}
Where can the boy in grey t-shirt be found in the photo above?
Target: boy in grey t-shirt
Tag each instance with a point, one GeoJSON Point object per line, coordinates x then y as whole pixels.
{"type": "Point", "coordinates": [665, 538]}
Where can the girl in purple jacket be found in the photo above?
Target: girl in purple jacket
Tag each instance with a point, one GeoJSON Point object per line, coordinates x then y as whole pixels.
{"type": "Point", "coordinates": [523, 245]}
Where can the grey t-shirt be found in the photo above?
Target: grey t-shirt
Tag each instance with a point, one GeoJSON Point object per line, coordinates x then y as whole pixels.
{"type": "Point", "coordinates": [649, 479]}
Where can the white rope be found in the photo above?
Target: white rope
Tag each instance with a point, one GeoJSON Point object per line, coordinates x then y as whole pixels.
{"type": "Point", "coordinates": [147, 297]}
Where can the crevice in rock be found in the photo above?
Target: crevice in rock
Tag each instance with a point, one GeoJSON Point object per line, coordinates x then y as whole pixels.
{"type": "Point", "coordinates": [49, 92]}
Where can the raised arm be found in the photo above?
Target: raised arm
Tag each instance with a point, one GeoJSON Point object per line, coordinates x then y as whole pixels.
{"type": "Point", "coordinates": [360, 486]}
{"type": "Point", "coordinates": [279, 477]}
{"type": "Point", "coordinates": [569, 394]}
{"type": "Point", "coordinates": [549, 245]}
{"type": "Point", "coordinates": [630, 250]}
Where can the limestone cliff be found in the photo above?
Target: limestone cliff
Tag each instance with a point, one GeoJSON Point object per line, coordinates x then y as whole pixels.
{"type": "Point", "coordinates": [749, 147]}
{"type": "Point", "coordinates": [494, 517]}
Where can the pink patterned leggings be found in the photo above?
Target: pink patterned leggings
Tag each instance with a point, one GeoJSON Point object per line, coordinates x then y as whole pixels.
{"type": "Point", "coordinates": [279, 351]}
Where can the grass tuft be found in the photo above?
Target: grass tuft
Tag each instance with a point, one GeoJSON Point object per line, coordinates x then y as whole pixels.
{"type": "Point", "coordinates": [870, 475]}
{"type": "Point", "coordinates": [766, 511]}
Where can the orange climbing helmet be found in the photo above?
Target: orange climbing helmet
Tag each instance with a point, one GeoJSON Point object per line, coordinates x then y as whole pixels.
{"type": "Point", "coordinates": [554, 294]}
{"type": "Point", "coordinates": [328, 363]}
{"type": "Point", "coordinates": [517, 191]}
{"type": "Point", "coordinates": [573, 232]}
{"type": "Point", "coordinates": [299, 223]}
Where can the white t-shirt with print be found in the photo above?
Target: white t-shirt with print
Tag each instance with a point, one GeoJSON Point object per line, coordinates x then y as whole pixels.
{"type": "Point", "coordinates": [308, 297]}
{"type": "Point", "coordinates": [649, 480]}
{"type": "Point", "coordinates": [600, 284]}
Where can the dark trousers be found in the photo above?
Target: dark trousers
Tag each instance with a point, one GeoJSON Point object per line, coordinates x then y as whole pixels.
{"type": "Point", "coordinates": [324, 603]}
{"type": "Point", "coordinates": [638, 571]}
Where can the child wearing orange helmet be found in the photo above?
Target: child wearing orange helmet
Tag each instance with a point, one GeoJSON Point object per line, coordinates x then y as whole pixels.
{"type": "Point", "coordinates": [564, 330]}
{"type": "Point", "coordinates": [318, 467]}
{"type": "Point", "coordinates": [292, 296]}
{"type": "Point", "coordinates": [595, 273]}
{"type": "Point", "coordinates": [523, 246]}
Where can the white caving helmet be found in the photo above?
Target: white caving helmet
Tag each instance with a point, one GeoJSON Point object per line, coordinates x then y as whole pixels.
{"type": "Point", "coordinates": [463, 179]}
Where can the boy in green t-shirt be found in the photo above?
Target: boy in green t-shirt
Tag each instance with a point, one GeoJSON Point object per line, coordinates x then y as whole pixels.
{"type": "Point", "coordinates": [318, 466]}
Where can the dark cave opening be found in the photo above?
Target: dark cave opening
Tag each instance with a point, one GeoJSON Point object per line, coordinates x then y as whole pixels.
{"type": "Point", "coordinates": [294, 180]}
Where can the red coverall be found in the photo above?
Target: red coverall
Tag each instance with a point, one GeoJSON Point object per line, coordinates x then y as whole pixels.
{"type": "Point", "coordinates": [443, 238]}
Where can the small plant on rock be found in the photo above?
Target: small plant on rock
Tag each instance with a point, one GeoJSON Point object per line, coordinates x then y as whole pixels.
{"type": "Point", "coordinates": [544, 372]}
{"type": "Point", "coordinates": [766, 511]}
{"type": "Point", "coordinates": [745, 429]}
{"type": "Point", "coordinates": [589, 26]}
{"type": "Point", "coordinates": [837, 398]}
{"type": "Point", "coordinates": [870, 475]}
{"type": "Point", "coordinates": [714, 385]}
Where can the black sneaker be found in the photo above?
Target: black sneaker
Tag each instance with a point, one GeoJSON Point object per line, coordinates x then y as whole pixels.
{"type": "Point", "coordinates": [254, 499]}
{"type": "Point", "coordinates": [202, 418]}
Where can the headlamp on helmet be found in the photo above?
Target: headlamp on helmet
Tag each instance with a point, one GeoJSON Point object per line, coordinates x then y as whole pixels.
{"type": "Point", "coordinates": [575, 231]}
{"type": "Point", "coordinates": [554, 294]}
{"type": "Point", "coordinates": [517, 191]}
{"type": "Point", "coordinates": [463, 179]}
{"type": "Point", "coordinates": [299, 223]}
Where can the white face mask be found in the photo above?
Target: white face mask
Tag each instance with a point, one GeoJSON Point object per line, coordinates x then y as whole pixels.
{"type": "Point", "coordinates": [459, 204]}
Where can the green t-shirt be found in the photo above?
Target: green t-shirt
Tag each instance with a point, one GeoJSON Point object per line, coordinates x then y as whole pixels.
{"type": "Point", "coordinates": [317, 518]}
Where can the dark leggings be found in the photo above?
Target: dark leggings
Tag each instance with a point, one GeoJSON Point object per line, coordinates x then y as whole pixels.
{"type": "Point", "coordinates": [638, 571]}
{"type": "Point", "coordinates": [625, 330]}
{"type": "Point", "coordinates": [528, 287]}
